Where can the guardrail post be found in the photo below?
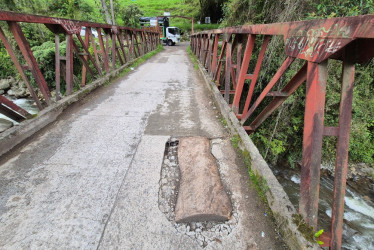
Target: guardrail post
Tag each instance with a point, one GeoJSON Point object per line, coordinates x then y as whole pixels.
{"type": "Point", "coordinates": [30, 59]}
{"type": "Point", "coordinates": [215, 54]}
{"type": "Point", "coordinates": [69, 64]}
{"type": "Point", "coordinates": [113, 50]}
{"type": "Point", "coordinates": [312, 141]}
{"type": "Point", "coordinates": [345, 115]}
{"type": "Point", "coordinates": [228, 69]}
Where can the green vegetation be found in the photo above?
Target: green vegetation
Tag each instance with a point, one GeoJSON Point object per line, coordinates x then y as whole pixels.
{"type": "Point", "coordinates": [304, 229]}
{"type": "Point", "coordinates": [279, 138]}
{"type": "Point", "coordinates": [193, 58]}
{"type": "Point", "coordinates": [317, 235]}
{"type": "Point", "coordinates": [236, 141]}
{"type": "Point", "coordinates": [257, 181]}
{"type": "Point", "coordinates": [140, 60]}
{"type": "Point", "coordinates": [223, 121]}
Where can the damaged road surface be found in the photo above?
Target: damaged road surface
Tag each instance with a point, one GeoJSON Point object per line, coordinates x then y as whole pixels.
{"type": "Point", "coordinates": [106, 173]}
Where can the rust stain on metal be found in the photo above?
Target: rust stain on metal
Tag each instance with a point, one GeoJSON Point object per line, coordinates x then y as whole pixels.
{"type": "Point", "coordinates": [349, 39]}
{"type": "Point", "coordinates": [64, 63]}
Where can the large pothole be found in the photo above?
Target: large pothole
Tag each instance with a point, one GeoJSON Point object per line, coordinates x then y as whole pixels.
{"type": "Point", "coordinates": [203, 232]}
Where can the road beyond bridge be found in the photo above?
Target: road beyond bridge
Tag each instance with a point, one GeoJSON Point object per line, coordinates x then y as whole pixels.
{"type": "Point", "coordinates": [92, 179]}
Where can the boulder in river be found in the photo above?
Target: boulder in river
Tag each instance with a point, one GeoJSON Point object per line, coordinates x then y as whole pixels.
{"type": "Point", "coordinates": [4, 84]}
{"type": "Point", "coordinates": [11, 92]}
{"type": "Point", "coordinates": [21, 84]}
{"type": "Point", "coordinates": [5, 124]}
{"type": "Point", "coordinates": [18, 92]}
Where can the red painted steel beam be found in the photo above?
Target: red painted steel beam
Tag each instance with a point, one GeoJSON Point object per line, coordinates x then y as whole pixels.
{"type": "Point", "coordinates": [24, 46]}
{"type": "Point", "coordinates": [86, 43]}
{"type": "Point", "coordinates": [267, 89]}
{"type": "Point", "coordinates": [69, 63]}
{"type": "Point", "coordinates": [289, 89]}
{"type": "Point", "coordinates": [345, 115]}
{"type": "Point", "coordinates": [103, 50]}
{"type": "Point", "coordinates": [313, 40]}
{"type": "Point", "coordinates": [113, 35]}
{"type": "Point", "coordinates": [81, 57]}
{"type": "Point", "coordinates": [57, 67]}
{"type": "Point", "coordinates": [243, 72]}
{"type": "Point", "coordinates": [228, 70]}
{"type": "Point", "coordinates": [208, 63]}
{"type": "Point", "coordinates": [217, 73]}
{"type": "Point", "coordinates": [348, 27]}
{"type": "Point", "coordinates": [19, 68]}
{"type": "Point", "coordinates": [238, 60]}
{"type": "Point", "coordinates": [93, 42]}
{"type": "Point", "coordinates": [14, 108]}
{"type": "Point", "coordinates": [312, 141]}
{"type": "Point", "coordinates": [70, 26]}
{"type": "Point", "coordinates": [256, 74]}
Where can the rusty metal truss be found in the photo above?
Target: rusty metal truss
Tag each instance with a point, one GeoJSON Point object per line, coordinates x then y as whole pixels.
{"type": "Point", "coordinates": [101, 53]}
{"type": "Point", "coordinates": [226, 55]}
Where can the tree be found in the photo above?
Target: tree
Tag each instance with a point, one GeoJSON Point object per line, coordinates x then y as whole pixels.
{"type": "Point", "coordinates": [130, 15]}
{"type": "Point", "coordinates": [212, 9]}
{"type": "Point", "coordinates": [105, 8]}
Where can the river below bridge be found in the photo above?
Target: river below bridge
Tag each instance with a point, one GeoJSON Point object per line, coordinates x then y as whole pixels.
{"type": "Point", "coordinates": [358, 232]}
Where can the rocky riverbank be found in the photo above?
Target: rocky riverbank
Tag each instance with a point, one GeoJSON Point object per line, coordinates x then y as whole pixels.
{"type": "Point", "coordinates": [12, 87]}
{"type": "Point", "coordinates": [360, 177]}
{"type": "Point", "coordinates": [17, 92]}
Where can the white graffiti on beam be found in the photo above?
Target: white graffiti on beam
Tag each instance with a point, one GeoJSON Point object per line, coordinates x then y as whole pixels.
{"type": "Point", "coordinates": [310, 42]}
{"type": "Point", "coordinates": [68, 25]}
{"type": "Point", "coordinates": [311, 47]}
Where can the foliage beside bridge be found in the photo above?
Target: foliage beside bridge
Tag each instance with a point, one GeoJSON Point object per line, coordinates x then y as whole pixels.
{"type": "Point", "coordinates": [280, 137]}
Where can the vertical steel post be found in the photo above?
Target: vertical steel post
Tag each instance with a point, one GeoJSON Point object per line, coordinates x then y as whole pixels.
{"type": "Point", "coordinates": [215, 54]}
{"type": "Point", "coordinates": [238, 59]}
{"type": "Point", "coordinates": [129, 46]}
{"type": "Point", "coordinates": [228, 69]}
{"type": "Point", "coordinates": [95, 51]}
{"type": "Point", "coordinates": [312, 141]}
{"type": "Point", "coordinates": [86, 43]}
{"type": "Point", "coordinates": [69, 64]}
{"type": "Point", "coordinates": [103, 50]}
{"type": "Point", "coordinates": [243, 72]}
{"type": "Point", "coordinates": [113, 50]}
{"type": "Point", "coordinates": [57, 67]}
{"type": "Point", "coordinates": [255, 74]}
{"type": "Point", "coordinates": [217, 73]}
{"type": "Point", "coordinates": [210, 53]}
{"type": "Point", "coordinates": [341, 162]}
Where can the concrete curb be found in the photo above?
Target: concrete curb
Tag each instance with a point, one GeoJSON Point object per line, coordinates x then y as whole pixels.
{"type": "Point", "coordinates": [277, 198]}
{"type": "Point", "coordinates": [17, 134]}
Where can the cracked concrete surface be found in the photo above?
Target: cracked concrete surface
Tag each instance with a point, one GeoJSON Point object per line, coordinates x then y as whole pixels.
{"type": "Point", "coordinates": [91, 179]}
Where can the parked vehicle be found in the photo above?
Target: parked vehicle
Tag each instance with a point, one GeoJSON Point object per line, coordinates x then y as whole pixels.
{"type": "Point", "coordinates": [172, 35]}
{"type": "Point", "coordinates": [169, 35]}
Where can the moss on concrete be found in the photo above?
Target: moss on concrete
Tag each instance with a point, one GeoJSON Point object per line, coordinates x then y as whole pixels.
{"type": "Point", "coordinates": [303, 228]}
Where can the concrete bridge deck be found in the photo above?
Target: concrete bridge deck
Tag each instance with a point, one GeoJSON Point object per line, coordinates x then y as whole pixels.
{"type": "Point", "coordinates": [92, 178]}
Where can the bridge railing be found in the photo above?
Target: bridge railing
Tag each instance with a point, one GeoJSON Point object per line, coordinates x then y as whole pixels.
{"type": "Point", "coordinates": [226, 54]}
{"type": "Point", "coordinates": [101, 48]}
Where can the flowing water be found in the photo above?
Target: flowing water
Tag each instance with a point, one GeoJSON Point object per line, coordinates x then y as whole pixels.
{"type": "Point", "coordinates": [25, 103]}
{"type": "Point", "coordinates": [358, 231]}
